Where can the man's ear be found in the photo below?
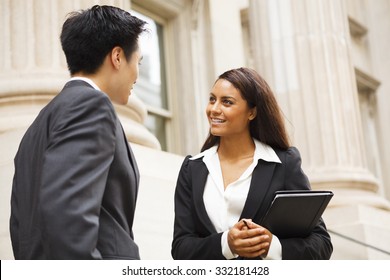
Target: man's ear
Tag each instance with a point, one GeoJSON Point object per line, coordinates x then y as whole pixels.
{"type": "Point", "coordinates": [116, 57]}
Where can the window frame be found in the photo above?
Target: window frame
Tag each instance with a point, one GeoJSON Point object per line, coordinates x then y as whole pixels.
{"type": "Point", "coordinates": [167, 115]}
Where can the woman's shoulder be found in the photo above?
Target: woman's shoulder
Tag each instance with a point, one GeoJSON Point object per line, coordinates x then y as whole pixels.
{"type": "Point", "coordinates": [291, 153]}
{"type": "Point", "coordinates": [190, 160]}
{"type": "Point", "coordinates": [289, 150]}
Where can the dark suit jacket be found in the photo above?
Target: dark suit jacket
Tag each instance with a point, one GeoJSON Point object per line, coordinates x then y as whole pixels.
{"type": "Point", "coordinates": [195, 236]}
{"type": "Point", "coordinates": [75, 183]}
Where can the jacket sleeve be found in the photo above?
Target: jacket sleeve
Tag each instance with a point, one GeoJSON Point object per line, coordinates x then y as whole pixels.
{"type": "Point", "coordinates": [191, 240]}
{"type": "Point", "coordinates": [76, 166]}
{"type": "Point", "coordinates": [318, 244]}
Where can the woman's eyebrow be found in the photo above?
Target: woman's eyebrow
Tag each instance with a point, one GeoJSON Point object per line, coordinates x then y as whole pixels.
{"type": "Point", "coordinates": [224, 97]}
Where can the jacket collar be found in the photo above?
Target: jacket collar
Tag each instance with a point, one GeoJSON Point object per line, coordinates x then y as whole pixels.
{"type": "Point", "coordinates": [262, 151]}
{"type": "Point", "coordinates": [87, 80]}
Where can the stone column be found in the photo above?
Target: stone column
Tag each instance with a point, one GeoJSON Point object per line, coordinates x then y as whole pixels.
{"type": "Point", "coordinates": [302, 49]}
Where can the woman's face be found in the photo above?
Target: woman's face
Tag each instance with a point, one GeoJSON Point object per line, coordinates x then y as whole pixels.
{"type": "Point", "coordinates": [228, 113]}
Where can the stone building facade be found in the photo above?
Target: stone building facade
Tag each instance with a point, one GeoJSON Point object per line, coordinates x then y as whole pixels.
{"type": "Point", "coordinates": [327, 61]}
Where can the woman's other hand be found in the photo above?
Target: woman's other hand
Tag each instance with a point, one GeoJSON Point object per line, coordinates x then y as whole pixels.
{"type": "Point", "coordinates": [249, 240]}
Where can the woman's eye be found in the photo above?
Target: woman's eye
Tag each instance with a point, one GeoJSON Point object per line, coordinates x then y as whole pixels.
{"type": "Point", "coordinates": [212, 99]}
{"type": "Point", "coordinates": [227, 102]}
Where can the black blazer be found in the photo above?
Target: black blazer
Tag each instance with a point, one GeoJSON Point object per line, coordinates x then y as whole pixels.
{"type": "Point", "coordinates": [195, 236]}
{"type": "Point", "coordinates": [75, 183]}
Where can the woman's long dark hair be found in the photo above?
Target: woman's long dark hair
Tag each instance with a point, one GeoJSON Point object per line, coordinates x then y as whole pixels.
{"type": "Point", "coordinates": [268, 125]}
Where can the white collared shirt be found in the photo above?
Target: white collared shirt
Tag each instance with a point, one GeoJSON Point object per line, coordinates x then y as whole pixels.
{"type": "Point", "coordinates": [87, 80]}
{"type": "Point", "coordinates": [224, 206]}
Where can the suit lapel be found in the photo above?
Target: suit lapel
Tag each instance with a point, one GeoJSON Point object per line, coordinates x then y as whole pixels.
{"type": "Point", "coordinates": [199, 178]}
{"type": "Point", "coordinates": [133, 162]}
{"type": "Point", "coordinates": [255, 202]}
{"type": "Point", "coordinates": [260, 185]}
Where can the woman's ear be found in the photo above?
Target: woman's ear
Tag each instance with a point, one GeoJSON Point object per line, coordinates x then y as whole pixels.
{"type": "Point", "coordinates": [253, 113]}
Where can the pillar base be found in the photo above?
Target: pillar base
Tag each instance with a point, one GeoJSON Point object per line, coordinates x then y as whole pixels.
{"type": "Point", "coordinates": [359, 232]}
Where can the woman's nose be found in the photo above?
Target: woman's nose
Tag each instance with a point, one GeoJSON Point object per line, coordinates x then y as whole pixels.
{"type": "Point", "coordinates": [215, 108]}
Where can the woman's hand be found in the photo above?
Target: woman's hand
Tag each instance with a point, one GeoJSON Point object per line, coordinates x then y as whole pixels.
{"type": "Point", "coordinates": [249, 240]}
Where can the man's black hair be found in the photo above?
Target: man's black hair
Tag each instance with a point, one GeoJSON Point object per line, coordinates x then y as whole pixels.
{"type": "Point", "coordinates": [89, 35]}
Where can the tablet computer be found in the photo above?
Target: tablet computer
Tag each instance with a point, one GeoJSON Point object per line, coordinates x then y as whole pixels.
{"type": "Point", "coordinates": [294, 213]}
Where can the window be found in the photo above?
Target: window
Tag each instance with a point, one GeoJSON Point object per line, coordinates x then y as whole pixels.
{"type": "Point", "coordinates": [151, 85]}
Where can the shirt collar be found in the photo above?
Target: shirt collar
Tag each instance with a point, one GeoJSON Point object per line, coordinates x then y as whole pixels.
{"type": "Point", "coordinates": [87, 80]}
{"type": "Point", "coordinates": [262, 151]}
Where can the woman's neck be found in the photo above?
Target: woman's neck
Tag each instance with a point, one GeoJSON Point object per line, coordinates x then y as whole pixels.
{"type": "Point", "coordinates": [231, 148]}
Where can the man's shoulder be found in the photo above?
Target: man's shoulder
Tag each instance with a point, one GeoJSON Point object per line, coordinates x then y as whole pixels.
{"type": "Point", "coordinates": [76, 101]}
{"type": "Point", "coordinates": [79, 93]}
{"type": "Point", "coordinates": [81, 89]}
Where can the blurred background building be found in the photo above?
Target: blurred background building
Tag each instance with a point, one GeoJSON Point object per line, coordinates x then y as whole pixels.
{"type": "Point", "coordinates": [328, 62]}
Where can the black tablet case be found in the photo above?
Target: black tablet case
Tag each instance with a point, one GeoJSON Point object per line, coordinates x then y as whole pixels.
{"type": "Point", "coordinates": [295, 213]}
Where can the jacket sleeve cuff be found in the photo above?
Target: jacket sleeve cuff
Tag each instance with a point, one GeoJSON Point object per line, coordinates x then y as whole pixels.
{"type": "Point", "coordinates": [275, 250]}
{"type": "Point", "coordinates": [226, 252]}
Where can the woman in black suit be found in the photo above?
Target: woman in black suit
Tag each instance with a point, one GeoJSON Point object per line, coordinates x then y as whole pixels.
{"type": "Point", "coordinates": [223, 193]}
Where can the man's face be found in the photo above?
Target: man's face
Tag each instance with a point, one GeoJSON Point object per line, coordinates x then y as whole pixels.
{"type": "Point", "coordinates": [128, 75]}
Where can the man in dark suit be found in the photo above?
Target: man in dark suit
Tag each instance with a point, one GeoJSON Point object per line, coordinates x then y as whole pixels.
{"type": "Point", "coordinates": [76, 180]}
